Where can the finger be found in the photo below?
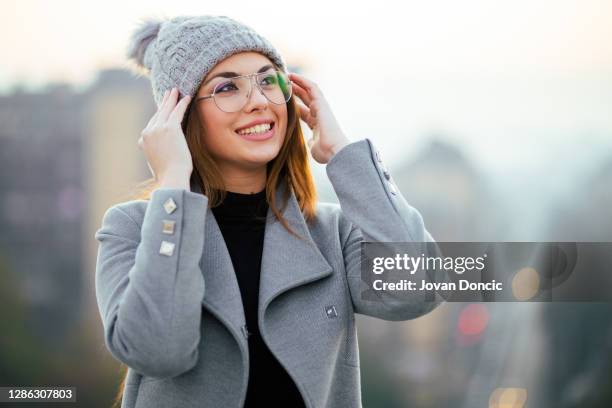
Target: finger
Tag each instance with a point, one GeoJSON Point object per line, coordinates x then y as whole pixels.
{"type": "Point", "coordinates": [154, 117]}
{"type": "Point", "coordinates": [165, 97]}
{"type": "Point", "coordinates": [179, 111]}
{"type": "Point", "coordinates": [306, 115]}
{"type": "Point", "coordinates": [161, 104]}
{"type": "Point", "coordinates": [302, 94]}
{"type": "Point", "coordinates": [151, 121]}
{"type": "Point", "coordinates": [310, 142]}
{"type": "Point", "coordinates": [303, 110]}
{"type": "Point", "coordinates": [168, 106]}
{"type": "Point", "coordinates": [151, 170]}
{"type": "Point", "coordinates": [304, 82]}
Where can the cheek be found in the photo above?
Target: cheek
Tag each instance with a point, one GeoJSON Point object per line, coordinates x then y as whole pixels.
{"type": "Point", "coordinates": [216, 128]}
{"type": "Point", "coordinates": [281, 114]}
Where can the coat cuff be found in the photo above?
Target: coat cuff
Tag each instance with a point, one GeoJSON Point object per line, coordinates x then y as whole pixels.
{"type": "Point", "coordinates": [369, 197]}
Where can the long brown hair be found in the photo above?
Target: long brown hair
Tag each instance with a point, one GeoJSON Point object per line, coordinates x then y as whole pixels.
{"type": "Point", "coordinates": [290, 167]}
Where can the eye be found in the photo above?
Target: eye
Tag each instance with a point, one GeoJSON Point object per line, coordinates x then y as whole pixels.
{"type": "Point", "coordinates": [225, 87]}
{"type": "Point", "coordinates": [269, 79]}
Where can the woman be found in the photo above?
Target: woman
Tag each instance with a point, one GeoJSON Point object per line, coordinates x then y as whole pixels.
{"type": "Point", "coordinates": [230, 285]}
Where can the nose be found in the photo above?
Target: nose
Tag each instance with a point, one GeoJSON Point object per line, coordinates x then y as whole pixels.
{"type": "Point", "coordinates": [255, 98]}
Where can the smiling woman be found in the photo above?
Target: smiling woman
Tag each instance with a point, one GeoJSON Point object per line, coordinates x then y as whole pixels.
{"type": "Point", "coordinates": [235, 150]}
{"type": "Point", "coordinates": [227, 284]}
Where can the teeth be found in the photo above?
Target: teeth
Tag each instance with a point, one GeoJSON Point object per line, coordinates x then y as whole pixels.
{"type": "Point", "coordinates": [255, 129]}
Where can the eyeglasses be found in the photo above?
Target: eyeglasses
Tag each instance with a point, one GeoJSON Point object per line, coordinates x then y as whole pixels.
{"type": "Point", "coordinates": [232, 94]}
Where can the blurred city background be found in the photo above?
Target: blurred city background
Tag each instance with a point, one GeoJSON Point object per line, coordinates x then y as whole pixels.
{"type": "Point", "coordinates": [493, 117]}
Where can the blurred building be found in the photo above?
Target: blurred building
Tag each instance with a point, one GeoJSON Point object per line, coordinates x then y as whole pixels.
{"type": "Point", "coordinates": [66, 157]}
{"type": "Point", "coordinates": [450, 193]}
{"type": "Point", "coordinates": [580, 334]}
{"type": "Point", "coordinates": [584, 213]}
{"type": "Point", "coordinates": [119, 106]}
{"type": "Point", "coordinates": [42, 201]}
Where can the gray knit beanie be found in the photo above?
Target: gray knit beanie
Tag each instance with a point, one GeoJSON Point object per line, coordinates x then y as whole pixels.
{"type": "Point", "coordinates": [179, 52]}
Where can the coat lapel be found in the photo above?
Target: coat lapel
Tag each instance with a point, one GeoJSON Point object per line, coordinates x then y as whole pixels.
{"type": "Point", "coordinates": [221, 292]}
{"type": "Point", "coordinates": [287, 262]}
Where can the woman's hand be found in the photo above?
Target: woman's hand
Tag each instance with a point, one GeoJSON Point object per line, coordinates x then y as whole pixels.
{"type": "Point", "coordinates": [327, 136]}
{"type": "Point", "coordinates": [163, 142]}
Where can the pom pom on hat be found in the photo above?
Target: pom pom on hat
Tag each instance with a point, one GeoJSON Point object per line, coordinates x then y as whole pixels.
{"type": "Point", "coordinates": [140, 40]}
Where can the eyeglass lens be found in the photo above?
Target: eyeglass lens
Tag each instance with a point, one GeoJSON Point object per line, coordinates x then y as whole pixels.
{"type": "Point", "coordinates": [232, 94]}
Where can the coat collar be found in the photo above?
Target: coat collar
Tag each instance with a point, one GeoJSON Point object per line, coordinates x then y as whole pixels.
{"type": "Point", "coordinates": [287, 262]}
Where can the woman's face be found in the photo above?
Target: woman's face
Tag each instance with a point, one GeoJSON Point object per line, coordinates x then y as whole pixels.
{"type": "Point", "coordinates": [221, 139]}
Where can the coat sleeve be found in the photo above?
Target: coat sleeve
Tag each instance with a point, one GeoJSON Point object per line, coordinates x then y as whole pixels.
{"type": "Point", "coordinates": [377, 212]}
{"type": "Point", "coordinates": [151, 302]}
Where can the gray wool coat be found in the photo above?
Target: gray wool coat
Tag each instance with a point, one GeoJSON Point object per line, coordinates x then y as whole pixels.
{"type": "Point", "coordinates": [171, 307]}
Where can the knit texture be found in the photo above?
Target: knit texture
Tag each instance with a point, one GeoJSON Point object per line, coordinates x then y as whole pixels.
{"type": "Point", "coordinates": [179, 52]}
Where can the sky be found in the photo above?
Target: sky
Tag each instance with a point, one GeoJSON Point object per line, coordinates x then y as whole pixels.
{"type": "Point", "coordinates": [496, 77]}
{"type": "Point", "coordinates": [70, 39]}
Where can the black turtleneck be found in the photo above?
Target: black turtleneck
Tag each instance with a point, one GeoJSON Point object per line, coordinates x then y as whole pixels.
{"type": "Point", "coordinates": [241, 218]}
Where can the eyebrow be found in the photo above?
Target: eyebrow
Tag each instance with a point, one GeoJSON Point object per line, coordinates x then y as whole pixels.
{"type": "Point", "coordinates": [234, 74]}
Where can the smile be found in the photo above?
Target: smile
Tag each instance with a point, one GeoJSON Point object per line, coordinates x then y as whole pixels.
{"type": "Point", "coordinates": [258, 132]}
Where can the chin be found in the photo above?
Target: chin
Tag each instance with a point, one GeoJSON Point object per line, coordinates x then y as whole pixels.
{"type": "Point", "coordinates": [261, 152]}
{"type": "Point", "coordinates": [262, 157]}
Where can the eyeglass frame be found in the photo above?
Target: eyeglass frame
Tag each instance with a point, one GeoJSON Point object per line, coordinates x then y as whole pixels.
{"type": "Point", "coordinates": [212, 95]}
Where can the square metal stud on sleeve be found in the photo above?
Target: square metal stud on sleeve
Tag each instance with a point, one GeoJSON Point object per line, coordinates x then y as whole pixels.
{"type": "Point", "coordinates": [330, 311]}
{"type": "Point", "coordinates": [168, 227]}
{"type": "Point", "coordinates": [170, 205]}
{"type": "Point", "coordinates": [166, 248]}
